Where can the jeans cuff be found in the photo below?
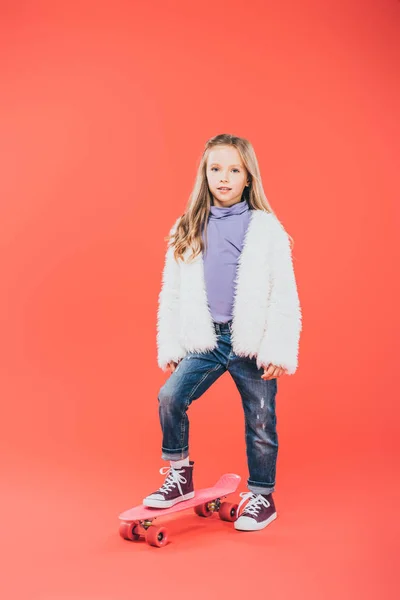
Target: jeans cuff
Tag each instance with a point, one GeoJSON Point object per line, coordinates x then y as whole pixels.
{"type": "Point", "coordinates": [175, 455]}
{"type": "Point", "coordinates": [259, 488]}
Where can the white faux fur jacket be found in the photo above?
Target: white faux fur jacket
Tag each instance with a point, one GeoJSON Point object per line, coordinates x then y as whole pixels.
{"type": "Point", "coordinates": [266, 314]}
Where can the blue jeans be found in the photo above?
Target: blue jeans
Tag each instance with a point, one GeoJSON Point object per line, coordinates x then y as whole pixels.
{"type": "Point", "coordinates": [194, 374]}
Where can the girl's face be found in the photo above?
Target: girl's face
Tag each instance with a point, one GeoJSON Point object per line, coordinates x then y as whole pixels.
{"type": "Point", "coordinates": [225, 169]}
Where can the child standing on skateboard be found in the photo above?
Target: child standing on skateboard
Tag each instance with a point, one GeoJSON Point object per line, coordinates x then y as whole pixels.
{"type": "Point", "coordinates": [228, 302]}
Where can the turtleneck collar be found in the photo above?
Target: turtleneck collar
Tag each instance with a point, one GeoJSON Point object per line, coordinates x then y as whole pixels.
{"type": "Point", "coordinates": [219, 212]}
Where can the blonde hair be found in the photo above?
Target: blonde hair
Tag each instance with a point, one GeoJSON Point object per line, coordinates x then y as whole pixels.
{"type": "Point", "coordinates": [188, 231]}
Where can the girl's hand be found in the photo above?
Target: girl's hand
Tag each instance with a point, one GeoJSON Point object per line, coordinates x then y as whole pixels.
{"type": "Point", "coordinates": [172, 365]}
{"type": "Point", "coordinates": [272, 371]}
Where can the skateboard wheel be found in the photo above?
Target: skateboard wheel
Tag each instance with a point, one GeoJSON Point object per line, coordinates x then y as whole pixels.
{"type": "Point", "coordinates": [203, 511]}
{"type": "Point", "coordinates": [129, 531]}
{"type": "Point", "coordinates": [156, 536]}
{"type": "Point", "coordinates": [228, 511]}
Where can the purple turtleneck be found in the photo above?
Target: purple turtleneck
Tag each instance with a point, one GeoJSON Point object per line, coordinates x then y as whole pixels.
{"type": "Point", "coordinates": [225, 232]}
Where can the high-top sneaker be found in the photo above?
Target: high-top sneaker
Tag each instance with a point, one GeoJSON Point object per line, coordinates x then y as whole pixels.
{"type": "Point", "coordinates": [177, 487]}
{"type": "Point", "coordinates": [258, 512]}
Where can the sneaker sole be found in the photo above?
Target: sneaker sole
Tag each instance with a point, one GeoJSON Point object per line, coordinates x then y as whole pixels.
{"type": "Point", "coordinates": [254, 526]}
{"type": "Point", "coordinates": [150, 503]}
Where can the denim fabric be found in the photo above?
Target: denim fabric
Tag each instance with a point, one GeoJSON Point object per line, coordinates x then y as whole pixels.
{"type": "Point", "coordinates": [194, 374]}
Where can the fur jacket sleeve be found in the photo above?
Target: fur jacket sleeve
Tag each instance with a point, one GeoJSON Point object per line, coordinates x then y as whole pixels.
{"type": "Point", "coordinates": [169, 347]}
{"type": "Point", "coordinates": [280, 342]}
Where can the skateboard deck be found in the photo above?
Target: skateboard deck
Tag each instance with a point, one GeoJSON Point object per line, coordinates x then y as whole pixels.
{"type": "Point", "coordinates": [138, 520]}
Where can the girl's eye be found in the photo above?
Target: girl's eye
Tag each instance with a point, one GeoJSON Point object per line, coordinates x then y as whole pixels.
{"type": "Point", "coordinates": [212, 168]}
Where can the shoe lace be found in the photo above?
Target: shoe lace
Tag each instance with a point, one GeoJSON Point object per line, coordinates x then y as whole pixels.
{"type": "Point", "coordinates": [174, 478]}
{"type": "Point", "coordinates": [255, 502]}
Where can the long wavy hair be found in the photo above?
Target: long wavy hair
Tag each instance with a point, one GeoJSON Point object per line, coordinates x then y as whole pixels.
{"type": "Point", "coordinates": [188, 232]}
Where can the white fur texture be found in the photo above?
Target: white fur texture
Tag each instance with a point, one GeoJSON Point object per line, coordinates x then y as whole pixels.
{"type": "Point", "coordinates": [267, 318]}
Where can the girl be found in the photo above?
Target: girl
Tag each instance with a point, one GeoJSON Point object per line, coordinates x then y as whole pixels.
{"type": "Point", "coordinates": [228, 302]}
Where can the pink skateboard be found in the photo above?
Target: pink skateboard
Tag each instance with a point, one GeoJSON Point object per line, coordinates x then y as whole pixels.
{"type": "Point", "coordinates": [138, 520]}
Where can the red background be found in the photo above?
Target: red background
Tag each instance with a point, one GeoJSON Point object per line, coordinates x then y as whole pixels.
{"type": "Point", "coordinates": [105, 109]}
